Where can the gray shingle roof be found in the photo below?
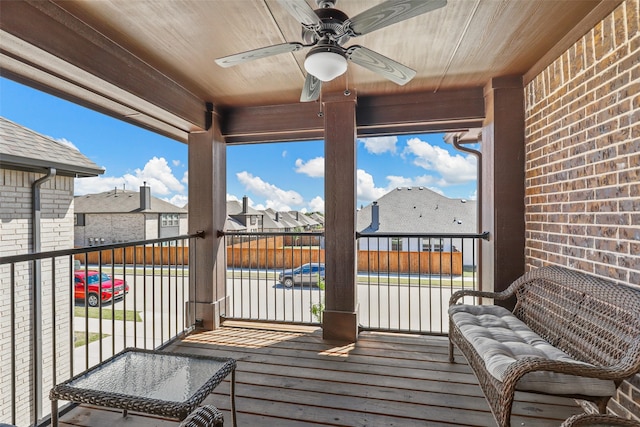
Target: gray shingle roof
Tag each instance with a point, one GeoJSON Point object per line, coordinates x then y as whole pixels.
{"type": "Point", "coordinates": [231, 224]}
{"type": "Point", "coordinates": [24, 149]}
{"type": "Point", "coordinates": [121, 201]}
{"type": "Point", "coordinates": [234, 207]}
{"type": "Point", "coordinates": [420, 210]}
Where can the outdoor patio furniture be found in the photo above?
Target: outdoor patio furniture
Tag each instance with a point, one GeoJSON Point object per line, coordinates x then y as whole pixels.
{"type": "Point", "coordinates": [204, 416]}
{"type": "Point", "coordinates": [570, 334]}
{"type": "Point", "coordinates": [598, 420]}
{"type": "Point", "coordinates": [149, 381]}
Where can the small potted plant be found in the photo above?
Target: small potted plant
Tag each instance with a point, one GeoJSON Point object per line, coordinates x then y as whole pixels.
{"type": "Point", "coordinates": [317, 309]}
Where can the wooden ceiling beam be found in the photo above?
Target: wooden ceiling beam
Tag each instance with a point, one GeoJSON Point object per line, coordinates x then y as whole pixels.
{"type": "Point", "coordinates": [375, 116]}
{"type": "Point", "coordinates": [66, 38]}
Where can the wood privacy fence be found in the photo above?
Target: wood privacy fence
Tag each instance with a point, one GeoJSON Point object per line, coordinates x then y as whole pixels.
{"type": "Point", "coordinates": [158, 255]}
{"type": "Point", "coordinates": [272, 254]}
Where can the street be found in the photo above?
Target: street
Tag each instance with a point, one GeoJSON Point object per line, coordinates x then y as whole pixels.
{"type": "Point", "coordinates": [400, 303]}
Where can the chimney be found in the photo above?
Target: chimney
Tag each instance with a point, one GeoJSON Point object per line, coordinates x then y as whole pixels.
{"type": "Point", "coordinates": [145, 197]}
{"type": "Point", "coordinates": [245, 204]}
{"type": "Point", "coordinates": [375, 216]}
{"type": "Point", "coordinates": [277, 216]}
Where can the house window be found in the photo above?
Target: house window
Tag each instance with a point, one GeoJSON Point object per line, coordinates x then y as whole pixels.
{"type": "Point", "coordinates": [170, 220]}
{"type": "Point", "coordinates": [78, 219]}
{"type": "Point", "coordinates": [252, 220]}
{"type": "Point", "coordinates": [429, 245]}
{"type": "Point", "coordinates": [396, 244]}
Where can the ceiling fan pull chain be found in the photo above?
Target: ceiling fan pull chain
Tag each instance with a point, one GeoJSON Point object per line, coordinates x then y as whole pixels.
{"type": "Point", "coordinates": [347, 92]}
{"type": "Point", "coordinates": [320, 113]}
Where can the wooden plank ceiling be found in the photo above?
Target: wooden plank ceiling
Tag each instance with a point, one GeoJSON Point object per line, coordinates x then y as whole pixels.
{"type": "Point", "coordinates": [160, 54]}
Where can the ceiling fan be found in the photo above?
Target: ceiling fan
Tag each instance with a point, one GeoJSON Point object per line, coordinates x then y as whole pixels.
{"type": "Point", "coordinates": [326, 29]}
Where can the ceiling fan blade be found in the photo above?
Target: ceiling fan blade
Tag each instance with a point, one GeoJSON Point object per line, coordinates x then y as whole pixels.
{"type": "Point", "coordinates": [300, 10]}
{"type": "Point", "coordinates": [380, 64]}
{"type": "Point", "coordinates": [390, 12]}
{"type": "Point", "coordinates": [311, 88]}
{"type": "Point", "coordinates": [263, 52]}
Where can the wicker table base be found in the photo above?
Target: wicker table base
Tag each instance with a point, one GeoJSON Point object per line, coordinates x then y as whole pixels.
{"type": "Point", "coordinates": [149, 381]}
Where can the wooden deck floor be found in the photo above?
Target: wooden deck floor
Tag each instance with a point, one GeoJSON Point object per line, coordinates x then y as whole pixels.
{"type": "Point", "coordinates": [288, 376]}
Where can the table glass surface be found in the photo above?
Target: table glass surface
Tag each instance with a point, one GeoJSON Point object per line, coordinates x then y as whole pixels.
{"type": "Point", "coordinates": [166, 377]}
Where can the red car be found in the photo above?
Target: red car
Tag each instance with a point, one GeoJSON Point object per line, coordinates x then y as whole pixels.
{"type": "Point", "coordinates": [120, 288]}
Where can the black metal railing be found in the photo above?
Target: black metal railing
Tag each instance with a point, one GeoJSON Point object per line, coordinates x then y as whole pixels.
{"type": "Point", "coordinates": [254, 286]}
{"type": "Point", "coordinates": [404, 280]}
{"type": "Point", "coordinates": [88, 304]}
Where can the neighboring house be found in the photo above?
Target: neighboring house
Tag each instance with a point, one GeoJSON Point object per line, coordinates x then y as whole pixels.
{"type": "Point", "coordinates": [285, 222]}
{"type": "Point", "coordinates": [242, 217]}
{"type": "Point", "coordinates": [245, 215]}
{"type": "Point", "coordinates": [418, 210]}
{"type": "Point", "coordinates": [118, 216]}
{"type": "Point", "coordinates": [306, 221]}
{"type": "Point", "coordinates": [318, 218]}
{"type": "Point", "coordinates": [36, 168]}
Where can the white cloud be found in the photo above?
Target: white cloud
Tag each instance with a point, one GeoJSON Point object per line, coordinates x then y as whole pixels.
{"type": "Point", "coordinates": [175, 163]}
{"type": "Point", "coordinates": [158, 176]}
{"type": "Point", "coordinates": [178, 200]}
{"type": "Point", "coordinates": [185, 178]}
{"type": "Point", "coordinates": [97, 184]}
{"type": "Point", "coordinates": [156, 173]}
{"type": "Point", "coordinates": [366, 188]}
{"type": "Point", "coordinates": [66, 142]}
{"type": "Point", "coordinates": [403, 181]}
{"type": "Point", "coordinates": [284, 153]}
{"type": "Point", "coordinates": [314, 167]}
{"type": "Point", "coordinates": [231, 197]}
{"type": "Point", "coordinates": [276, 197]}
{"type": "Point", "coordinates": [454, 169]}
{"type": "Point", "coordinates": [316, 204]}
{"type": "Point", "coordinates": [381, 144]}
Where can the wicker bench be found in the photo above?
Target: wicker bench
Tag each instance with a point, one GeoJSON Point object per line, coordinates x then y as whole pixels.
{"type": "Point", "coordinates": [591, 420]}
{"type": "Point", "coordinates": [570, 334]}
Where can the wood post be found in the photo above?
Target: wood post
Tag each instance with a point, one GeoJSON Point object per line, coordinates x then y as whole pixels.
{"type": "Point", "coordinates": [503, 182]}
{"type": "Point", "coordinates": [207, 212]}
{"type": "Point", "coordinates": [340, 320]}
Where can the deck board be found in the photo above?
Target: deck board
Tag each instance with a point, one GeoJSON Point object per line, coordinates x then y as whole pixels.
{"type": "Point", "coordinates": [290, 376]}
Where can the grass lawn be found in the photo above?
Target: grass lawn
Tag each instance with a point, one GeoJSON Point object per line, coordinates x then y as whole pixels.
{"type": "Point", "coordinates": [107, 314]}
{"type": "Point", "coordinates": [79, 338]}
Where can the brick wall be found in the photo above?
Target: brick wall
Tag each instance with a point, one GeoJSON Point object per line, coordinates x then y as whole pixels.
{"type": "Point", "coordinates": [113, 228]}
{"type": "Point", "coordinates": [582, 130]}
{"type": "Point", "coordinates": [123, 227]}
{"type": "Point", "coordinates": [15, 239]}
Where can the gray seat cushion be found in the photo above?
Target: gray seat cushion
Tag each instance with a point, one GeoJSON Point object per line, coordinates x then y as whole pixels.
{"type": "Point", "coordinates": [501, 339]}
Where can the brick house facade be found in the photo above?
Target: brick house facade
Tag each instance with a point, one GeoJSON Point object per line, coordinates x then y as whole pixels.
{"type": "Point", "coordinates": [24, 157]}
{"type": "Point", "coordinates": [582, 164]}
{"type": "Point", "coordinates": [118, 216]}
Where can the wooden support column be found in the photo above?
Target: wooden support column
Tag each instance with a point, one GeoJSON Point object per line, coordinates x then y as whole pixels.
{"type": "Point", "coordinates": [207, 212]}
{"type": "Point", "coordinates": [340, 320]}
{"type": "Point", "coordinates": [503, 183]}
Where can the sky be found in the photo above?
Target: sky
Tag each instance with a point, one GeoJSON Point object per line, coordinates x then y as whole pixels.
{"type": "Point", "coordinates": [282, 176]}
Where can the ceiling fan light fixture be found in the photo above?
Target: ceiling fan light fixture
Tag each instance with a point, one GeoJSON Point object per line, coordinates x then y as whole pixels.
{"type": "Point", "coordinates": [325, 63]}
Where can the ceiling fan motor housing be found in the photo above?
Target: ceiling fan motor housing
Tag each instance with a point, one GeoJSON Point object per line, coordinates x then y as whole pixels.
{"type": "Point", "coordinates": [331, 27]}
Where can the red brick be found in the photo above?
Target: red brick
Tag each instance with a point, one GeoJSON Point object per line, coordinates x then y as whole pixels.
{"type": "Point", "coordinates": [615, 192]}
{"type": "Point", "coordinates": [603, 38]}
{"type": "Point", "coordinates": [633, 16]}
{"type": "Point", "coordinates": [619, 26]}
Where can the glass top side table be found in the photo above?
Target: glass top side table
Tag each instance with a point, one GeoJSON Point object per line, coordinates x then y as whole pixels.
{"type": "Point", "coordinates": [149, 381]}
